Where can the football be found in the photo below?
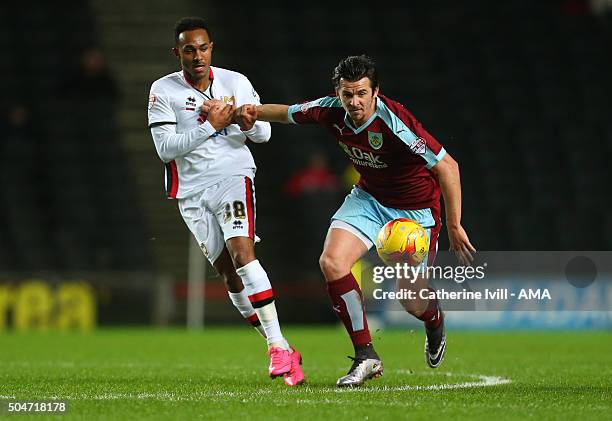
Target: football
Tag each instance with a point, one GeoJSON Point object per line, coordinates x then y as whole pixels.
{"type": "Point", "coordinates": [402, 241]}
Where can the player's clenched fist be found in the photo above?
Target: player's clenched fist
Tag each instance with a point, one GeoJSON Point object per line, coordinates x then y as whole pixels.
{"type": "Point", "coordinates": [245, 116]}
{"type": "Point", "coordinates": [220, 115]}
{"type": "Point", "coordinates": [208, 104]}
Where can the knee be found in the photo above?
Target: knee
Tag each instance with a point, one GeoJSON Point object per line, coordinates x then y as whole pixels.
{"type": "Point", "coordinates": [333, 267]}
{"type": "Point", "coordinates": [242, 257]}
{"type": "Point", "coordinates": [241, 250]}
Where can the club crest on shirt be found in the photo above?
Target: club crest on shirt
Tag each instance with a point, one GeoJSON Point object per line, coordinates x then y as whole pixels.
{"type": "Point", "coordinates": [229, 99]}
{"type": "Point", "coordinates": [417, 146]}
{"type": "Point", "coordinates": [375, 139]}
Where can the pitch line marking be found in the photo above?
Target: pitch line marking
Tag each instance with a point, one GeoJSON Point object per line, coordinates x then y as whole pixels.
{"type": "Point", "coordinates": [483, 381]}
{"type": "Point", "coordinates": [480, 380]}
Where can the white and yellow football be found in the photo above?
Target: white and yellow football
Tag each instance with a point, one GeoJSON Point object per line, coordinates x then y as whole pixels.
{"type": "Point", "coordinates": [402, 241]}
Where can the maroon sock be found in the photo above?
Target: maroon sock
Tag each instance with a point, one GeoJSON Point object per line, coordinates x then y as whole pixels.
{"type": "Point", "coordinates": [347, 302]}
{"type": "Point", "coordinates": [432, 316]}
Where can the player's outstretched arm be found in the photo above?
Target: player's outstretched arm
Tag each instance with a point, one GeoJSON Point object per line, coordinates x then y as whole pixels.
{"type": "Point", "coordinates": [274, 113]}
{"type": "Point", "coordinates": [447, 173]}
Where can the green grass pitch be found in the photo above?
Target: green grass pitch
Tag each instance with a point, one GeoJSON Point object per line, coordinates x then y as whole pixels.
{"type": "Point", "coordinates": [220, 373]}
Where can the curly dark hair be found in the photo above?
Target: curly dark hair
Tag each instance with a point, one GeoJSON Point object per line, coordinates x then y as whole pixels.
{"type": "Point", "coordinates": [188, 24]}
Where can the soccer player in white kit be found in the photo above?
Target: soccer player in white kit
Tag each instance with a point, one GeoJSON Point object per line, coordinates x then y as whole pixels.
{"type": "Point", "coordinates": [210, 171]}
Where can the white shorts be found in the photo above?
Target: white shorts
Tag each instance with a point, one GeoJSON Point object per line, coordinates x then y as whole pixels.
{"type": "Point", "coordinates": [220, 212]}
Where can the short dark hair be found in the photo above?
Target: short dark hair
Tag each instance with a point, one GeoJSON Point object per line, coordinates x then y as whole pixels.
{"type": "Point", "coordinates": [188, 24]}
{"type": "Point", "coordinates": [354, 68]}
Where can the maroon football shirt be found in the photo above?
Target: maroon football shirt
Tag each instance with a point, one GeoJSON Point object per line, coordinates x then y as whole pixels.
{"type": "Point", "coordinates": [392, 152]}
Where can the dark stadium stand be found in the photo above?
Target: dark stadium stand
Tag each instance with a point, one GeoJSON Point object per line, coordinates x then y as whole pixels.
{"type": "Point", "coordinates": [68, 198]}
{"type": "Point", "coordinates": [519, 92]}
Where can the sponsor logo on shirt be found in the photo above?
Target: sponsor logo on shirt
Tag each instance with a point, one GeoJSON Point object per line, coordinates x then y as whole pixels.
{"type": "Point", "coordinates": [418, 146]}
{"type": "Point", "coordinates": [222, 132]}
{"type": "Point", "coordinates": [363, 158]}
{"type": "Point", "coordinates": [375, 140]}
{"type": "Point", "coordinates": [228, 99]}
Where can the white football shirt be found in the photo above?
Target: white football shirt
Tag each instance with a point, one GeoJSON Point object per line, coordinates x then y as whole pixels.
{"type": "Point", "coordinates": [196, 155]}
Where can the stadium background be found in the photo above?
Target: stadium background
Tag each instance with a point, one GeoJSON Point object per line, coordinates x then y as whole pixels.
{"type": "Point", "coordinates": [517, 91]}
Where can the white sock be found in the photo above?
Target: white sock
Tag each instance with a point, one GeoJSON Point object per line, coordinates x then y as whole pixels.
{"type": "Point", "coordinates": [244, 306]}
{"type": "Point", "coordinates": [257, 286]}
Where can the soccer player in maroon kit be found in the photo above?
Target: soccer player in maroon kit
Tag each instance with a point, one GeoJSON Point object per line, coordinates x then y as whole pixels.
{"type": "Point", "coordinates": [403, 170]}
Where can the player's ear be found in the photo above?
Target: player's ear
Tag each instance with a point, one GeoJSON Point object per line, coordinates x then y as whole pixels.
{"type": "Point", "coordinates": [211, 45]}
{"type": "Point", "coordinates": [375, 93]}
{"type": "Point", "coordinates": [175, 52]}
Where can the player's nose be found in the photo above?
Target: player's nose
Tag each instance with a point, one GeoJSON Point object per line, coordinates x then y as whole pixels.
{"type": "Point", "coordinates": [199, 57]}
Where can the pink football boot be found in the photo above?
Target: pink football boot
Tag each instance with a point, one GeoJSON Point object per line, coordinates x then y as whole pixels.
{"type": "Point", "coordinates": [280, 362]}
{"type": "Point", "coordinates": [295, 376]}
